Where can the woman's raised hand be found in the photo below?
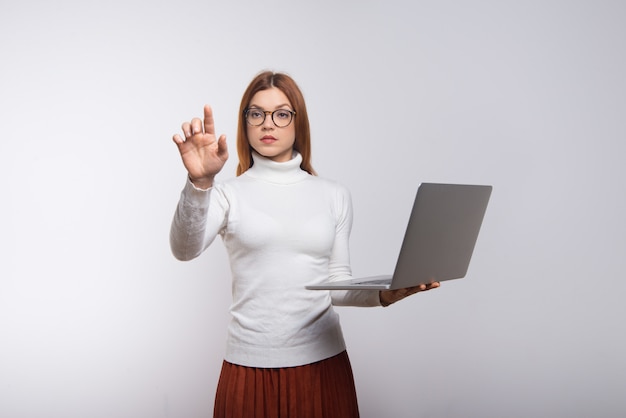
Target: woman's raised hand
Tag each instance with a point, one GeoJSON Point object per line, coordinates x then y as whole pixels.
{"type": "Point", "coordinates": [203, 154]}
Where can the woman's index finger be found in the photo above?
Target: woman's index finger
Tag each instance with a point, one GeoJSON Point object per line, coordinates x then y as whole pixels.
{"type": "Point", "coordinates": [209, 125]}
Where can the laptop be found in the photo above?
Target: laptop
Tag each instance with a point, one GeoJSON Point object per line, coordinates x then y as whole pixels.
{"type": "Point", "coordinates": [438, 242]}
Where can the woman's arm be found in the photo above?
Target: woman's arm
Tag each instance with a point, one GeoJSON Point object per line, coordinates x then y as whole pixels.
{"type": "Point", "coordinates": [200, 216]}
{"type": "Point", "coordinates": [340, 266]}
{"type": "Point", "coordinates": [200, 213]}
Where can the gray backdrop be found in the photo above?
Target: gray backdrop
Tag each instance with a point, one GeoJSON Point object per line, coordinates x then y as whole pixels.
{"type": "Point", "coordinates": [98, 320]}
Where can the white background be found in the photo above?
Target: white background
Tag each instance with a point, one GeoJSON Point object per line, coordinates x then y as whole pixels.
{"type": "Point", "coordinates": [98, 320]}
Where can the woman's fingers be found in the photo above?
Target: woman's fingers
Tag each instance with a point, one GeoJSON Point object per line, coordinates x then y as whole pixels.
{"type": "Point", "coordinates": [222, 148]}
{"type": "Point", "coordinates": [186, 129]}
{"type": "Point", "coordinates": [177, 139]}
{"type": "Point", "coordinates": [196, 126]}
{"type": "Point", "coordinates": [199, 126]}
{"type": "Point", "coordinates": [209, 124]}
{"type": "Point", "coordinates": [387, 297]}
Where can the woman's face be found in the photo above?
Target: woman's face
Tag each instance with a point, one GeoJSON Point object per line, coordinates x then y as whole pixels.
{"type": "Point", "coordinates": [268, 139]}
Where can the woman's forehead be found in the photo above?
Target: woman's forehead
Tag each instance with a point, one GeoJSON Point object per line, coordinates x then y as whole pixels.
{"type": "Point", "coordinates": [270, 98]}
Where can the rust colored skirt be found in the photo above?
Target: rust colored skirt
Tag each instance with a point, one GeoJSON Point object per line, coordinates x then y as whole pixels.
{"type": "Point", "coordinates": [324, 389]}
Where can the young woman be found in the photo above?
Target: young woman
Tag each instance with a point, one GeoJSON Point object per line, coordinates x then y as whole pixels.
{"type": "Point", "coordinates": [284, 228]}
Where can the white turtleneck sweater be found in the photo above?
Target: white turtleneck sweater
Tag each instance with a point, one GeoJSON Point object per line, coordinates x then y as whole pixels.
{"type": "Point", "coordinates": [283, 229]}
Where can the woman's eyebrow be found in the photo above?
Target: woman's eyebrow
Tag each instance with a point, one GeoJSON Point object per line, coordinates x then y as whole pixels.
{"type": "Point", "coordinates": [277, 107]}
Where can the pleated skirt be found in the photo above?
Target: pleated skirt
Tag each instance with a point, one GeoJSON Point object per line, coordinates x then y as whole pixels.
{"type": "Point", "coordinates": [324, 389]}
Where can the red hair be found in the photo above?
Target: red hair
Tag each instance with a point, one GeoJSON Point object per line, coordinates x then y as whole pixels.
{"type": "Point", "coordinates": [288, 86]}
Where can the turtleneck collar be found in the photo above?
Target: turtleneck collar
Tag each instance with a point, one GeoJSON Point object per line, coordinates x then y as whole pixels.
{"type": "Point", "coordinates": [287, 172]}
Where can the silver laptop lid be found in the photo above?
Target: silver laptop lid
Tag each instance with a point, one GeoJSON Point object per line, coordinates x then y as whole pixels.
{"type": "Point", "coordinates": [441, 233]}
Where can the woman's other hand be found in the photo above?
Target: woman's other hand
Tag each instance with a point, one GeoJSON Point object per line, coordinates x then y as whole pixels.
{"type": "Point", "coordinates": [387, 297]}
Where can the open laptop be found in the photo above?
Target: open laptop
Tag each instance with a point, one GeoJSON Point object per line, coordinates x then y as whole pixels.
{"type": "Point", "coordinates": [439, 239]}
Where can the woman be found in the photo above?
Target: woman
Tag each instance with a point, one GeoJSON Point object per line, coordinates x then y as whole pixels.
{"type": "Point", "coordinates": [284, 228]}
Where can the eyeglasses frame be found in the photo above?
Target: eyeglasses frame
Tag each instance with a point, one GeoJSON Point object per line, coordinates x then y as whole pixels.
{"type": "Point", "coordinates": [268, 112]}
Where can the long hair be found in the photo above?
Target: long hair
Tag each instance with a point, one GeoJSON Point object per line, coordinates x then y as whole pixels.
{"type": "Point", "coordinates": [288, 86]}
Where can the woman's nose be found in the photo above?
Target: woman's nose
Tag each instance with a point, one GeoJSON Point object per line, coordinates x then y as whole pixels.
{"type": "Point", "coordinates": [268, 123]}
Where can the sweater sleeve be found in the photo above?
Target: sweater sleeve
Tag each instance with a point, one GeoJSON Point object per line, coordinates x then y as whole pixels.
{"type": "Point", "coordinates": [199, 217]}
{"type": "Point", "coordinates": [339, 266]}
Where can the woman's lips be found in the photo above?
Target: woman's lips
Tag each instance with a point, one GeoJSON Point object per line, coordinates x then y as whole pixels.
{"type": "Point", "coordinates": [268, 139]}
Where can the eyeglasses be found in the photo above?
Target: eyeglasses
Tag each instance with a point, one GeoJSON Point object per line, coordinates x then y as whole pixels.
{"type": "Point", "coordinates": [280, 117]}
